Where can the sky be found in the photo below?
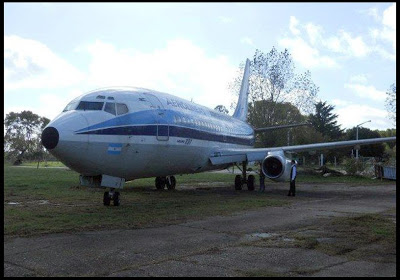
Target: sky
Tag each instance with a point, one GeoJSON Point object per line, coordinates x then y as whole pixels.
{"type": "Point", "coordinates": [54, 52]}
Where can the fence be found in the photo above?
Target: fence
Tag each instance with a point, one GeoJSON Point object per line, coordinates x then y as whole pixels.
{"type": "Point", "coordinates": [386, 172]}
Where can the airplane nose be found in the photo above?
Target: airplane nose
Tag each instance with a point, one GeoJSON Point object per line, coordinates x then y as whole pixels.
{"type": "Point", "coordinates": [50, 137]}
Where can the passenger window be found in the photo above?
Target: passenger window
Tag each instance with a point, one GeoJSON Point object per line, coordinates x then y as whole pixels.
{"type": "Point", "coordinates": [122, 109]}
{"type": "Point", "coordinates": [110, 108]}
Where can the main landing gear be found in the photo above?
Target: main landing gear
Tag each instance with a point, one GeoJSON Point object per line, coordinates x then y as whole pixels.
{"type": "Point", "coordinates": [168, 181]}
{"type": "Point", "coordinates": [241, 180]}
{"type": "Point", "coordinates": [111, 195]}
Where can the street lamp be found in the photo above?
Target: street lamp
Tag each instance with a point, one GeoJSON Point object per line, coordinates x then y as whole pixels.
{"type": "Point", "coordinates": [357, 135]}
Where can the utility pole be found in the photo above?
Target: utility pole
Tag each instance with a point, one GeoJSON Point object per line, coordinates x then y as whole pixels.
{"type": "Point", "coordinates": [357, 135]}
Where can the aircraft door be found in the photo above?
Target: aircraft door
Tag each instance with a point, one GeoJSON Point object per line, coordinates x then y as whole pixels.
{"type": "Point", "coordinates": [161, 118]}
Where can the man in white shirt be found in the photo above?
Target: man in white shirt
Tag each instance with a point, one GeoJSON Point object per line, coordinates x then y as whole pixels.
{"type": "Point", "coordinates": [293, 173]}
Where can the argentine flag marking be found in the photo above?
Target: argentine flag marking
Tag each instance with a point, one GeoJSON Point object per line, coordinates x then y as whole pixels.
{"type": "Point", "coordinates": [114, 148]}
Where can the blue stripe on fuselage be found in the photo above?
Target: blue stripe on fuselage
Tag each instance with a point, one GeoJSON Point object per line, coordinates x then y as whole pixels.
{"type": "Point", "coordinates": [145, 123]}
{"type": "Point", "coordinates": [174, 131]}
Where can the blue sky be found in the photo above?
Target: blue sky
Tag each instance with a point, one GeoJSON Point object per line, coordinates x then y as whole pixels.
{"type": "Point", "coordinates": [54, 52]}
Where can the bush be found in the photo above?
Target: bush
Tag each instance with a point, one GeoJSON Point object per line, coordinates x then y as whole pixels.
{"type": "Point", "coordinates": [352, 166]}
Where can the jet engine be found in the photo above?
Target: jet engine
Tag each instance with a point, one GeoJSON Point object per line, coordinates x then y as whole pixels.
{"type": "Point", "coordinates": [276, 166]}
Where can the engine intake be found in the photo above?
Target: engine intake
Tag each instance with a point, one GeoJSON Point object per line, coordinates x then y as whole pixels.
{"type": "Point", "coordinates": [276, 167]}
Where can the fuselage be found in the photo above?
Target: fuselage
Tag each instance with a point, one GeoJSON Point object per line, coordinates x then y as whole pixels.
{"type": "Point", "coordinates": [136, 133]}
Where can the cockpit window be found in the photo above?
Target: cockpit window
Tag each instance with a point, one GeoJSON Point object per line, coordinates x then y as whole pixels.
{"type": "Point", "coordinates": [71, 106]}
{"type": "Point", "coordinates": [122, 109]}
{"type": "Point", "coordinates": [88, 105]}
{"type": "Point", "coordinates": [110, 108]}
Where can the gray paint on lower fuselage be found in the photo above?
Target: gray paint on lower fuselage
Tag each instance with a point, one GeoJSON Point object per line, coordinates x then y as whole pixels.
{"type": "Point", "coordinates": [140, 157]}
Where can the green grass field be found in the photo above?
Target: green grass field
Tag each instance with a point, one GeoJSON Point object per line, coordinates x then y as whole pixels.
{"type": "Point", "coordinates": [49, 200]}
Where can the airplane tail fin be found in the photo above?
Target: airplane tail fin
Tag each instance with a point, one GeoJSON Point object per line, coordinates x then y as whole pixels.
{"type": "Point", "coordinates": [242, 106]}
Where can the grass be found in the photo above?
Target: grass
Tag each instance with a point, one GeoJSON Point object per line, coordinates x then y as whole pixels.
{"type": "Point", "coordinates": [51, 200]}
{"type": "Point", "coordinates": [42, 164]}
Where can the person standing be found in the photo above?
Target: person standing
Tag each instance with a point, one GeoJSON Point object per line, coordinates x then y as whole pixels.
{"type": "Point", "coordinates": [262, 181]}
{"type": "Point", "coordinates": [293, 174]}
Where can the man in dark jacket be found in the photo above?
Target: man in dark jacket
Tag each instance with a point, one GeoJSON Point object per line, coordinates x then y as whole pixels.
{"type": "Point", "coordinates": [293, 173]}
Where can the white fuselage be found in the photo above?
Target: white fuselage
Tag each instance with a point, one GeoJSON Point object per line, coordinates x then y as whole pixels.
{"type": "Point", "coordinates": [156, 134]}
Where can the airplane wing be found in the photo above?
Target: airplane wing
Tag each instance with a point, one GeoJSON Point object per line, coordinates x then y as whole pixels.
{"type": "Point", "coordinates": [238, 155]}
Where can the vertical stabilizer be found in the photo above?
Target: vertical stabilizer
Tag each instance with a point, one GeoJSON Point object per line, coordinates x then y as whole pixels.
{"type": "Point", "coordinates": [242, 105]}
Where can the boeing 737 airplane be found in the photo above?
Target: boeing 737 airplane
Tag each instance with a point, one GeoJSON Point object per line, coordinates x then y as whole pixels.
{"type": "Point", "coordinates": [115, 135]}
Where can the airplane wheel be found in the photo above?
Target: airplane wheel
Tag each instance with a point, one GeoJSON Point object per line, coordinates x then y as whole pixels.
{"type": "Point", "coordinates": [116, 200]}
{"type": "Point", "coordinates": [250, 182]}
{"type": "Point", "coordinates": [160, 183]}
{"type": "Point", "coordinates": [238, 182]}
{"type": "Point", "coordinates": [171, 186]}
{"type": "Point", "coordinates": [106, 199]}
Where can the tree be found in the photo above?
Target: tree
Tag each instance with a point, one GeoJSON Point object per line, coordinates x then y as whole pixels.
{"type": "Point", "coordinates": [221, 109]}
{"type": "Point", "coordinates": [388, 133]}
{"type": "Point", "coordinates": [390, 102]}
{"type": "Point", "coordinates": [278, 137]}
{"type": "Point", "coordinates": [22, 134]}
{"type": "Point", "coordinates": [373, 150]}
{"type": "Point", "coordinates": [272, 79]}
{"type": "Point", "coordinates": [325, 122]}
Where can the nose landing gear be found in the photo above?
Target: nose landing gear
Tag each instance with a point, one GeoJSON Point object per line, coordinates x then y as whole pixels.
{"type": "Point", "coordinates": [111, 195]}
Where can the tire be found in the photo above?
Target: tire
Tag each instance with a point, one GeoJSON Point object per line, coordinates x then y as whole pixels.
{"type": "Point", "coordinates": [160, 183]}
{"type": "Point", "coordinates": [238, 182]}
{"type": "Point", "coordinates": [116, 200]}
{"type": "Point", "coordinates": [106, 199]}
{"type": "Point", "coordinates": [250, 182]}
{"type": "Point", "coordinates": [171, 186]}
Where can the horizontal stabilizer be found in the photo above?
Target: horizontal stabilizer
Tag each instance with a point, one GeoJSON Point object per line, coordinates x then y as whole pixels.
{"type": "Point", "coordinates": [263, 129]}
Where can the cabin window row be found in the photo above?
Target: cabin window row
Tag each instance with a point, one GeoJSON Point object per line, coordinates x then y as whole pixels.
{"type": "Point", "coordinates": [202, 124]}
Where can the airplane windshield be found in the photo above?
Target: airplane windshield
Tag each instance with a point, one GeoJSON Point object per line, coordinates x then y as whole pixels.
{"type": "Point", "coordinates": [71, 106]}
{"type": "Point", "coordinates": [87, 105]}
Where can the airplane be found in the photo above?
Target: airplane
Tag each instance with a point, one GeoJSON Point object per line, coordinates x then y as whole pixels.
{"type": "Point", "coordinates": [114, 135]}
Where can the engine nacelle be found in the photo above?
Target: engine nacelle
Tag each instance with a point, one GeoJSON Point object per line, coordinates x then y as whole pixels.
{"type": "Point", "coordinates": [276, 166]}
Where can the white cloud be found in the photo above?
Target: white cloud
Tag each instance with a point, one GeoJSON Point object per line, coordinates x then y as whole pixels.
{"type": "Point", "coordinates": [31, 64]}
{"type": "Point", "coordinates": [318, 49]}
{"type": "Point", "coordinates": [314, 33]}
{"type": "Point", "coordinates": [306, 55]}
{"type": "Point", "coordinates": [353, 46]}
{"type": "Point", "coordinates": [373, 12]}
{"type": "Point", "coordinates": [181, 68]}
{"type": "Point", "coordinates": [352, 115]}
{"type": "Point", "coordinates": [385, 33]}
{"type": "Point", "coordinates": [389, 16]}
{"type": "Point", "coordinates": [293, 25]}
{"type": "Point", "coordinates": [389, 22]}
{"type": "Point", "coordinates": [369, 92]}
{"type": "Point", "coordinates": [346, 44]}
